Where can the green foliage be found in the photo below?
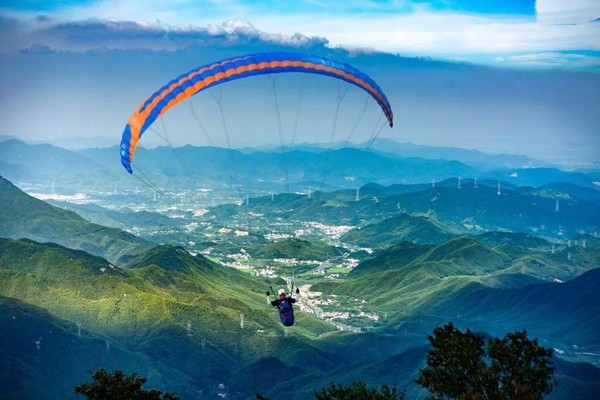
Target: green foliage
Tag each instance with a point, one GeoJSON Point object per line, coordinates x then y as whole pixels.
{"type": "Point", "coordinates": [459, 366]}
{"type": "Point", "coordinates": [357, 391]}
{"type": "Point", "coordinates": [455, 365]}
{"type": "Point", "coordinates": [522, 368]}
{"type": "Point", "coordinates": [118, 386]}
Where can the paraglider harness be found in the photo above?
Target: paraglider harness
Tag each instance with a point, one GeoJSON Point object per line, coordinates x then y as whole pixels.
{"type": "Point", "coordinates": [286, 312]}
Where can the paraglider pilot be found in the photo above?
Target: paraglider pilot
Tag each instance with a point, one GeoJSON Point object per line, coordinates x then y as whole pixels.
{"type": "Point", "coordinates": [284, 305]}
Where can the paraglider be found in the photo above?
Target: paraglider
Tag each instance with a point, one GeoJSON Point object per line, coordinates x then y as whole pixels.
{"type": "Point", "coordinates": [284, 305]}
{"type": "Point", "coordinates": [202, 78]}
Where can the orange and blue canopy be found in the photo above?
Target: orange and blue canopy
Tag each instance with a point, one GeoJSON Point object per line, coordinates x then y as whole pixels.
{"type": "Point", "coordinates": [231, 69]}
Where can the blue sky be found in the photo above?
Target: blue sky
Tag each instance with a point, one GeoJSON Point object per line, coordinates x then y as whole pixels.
{"type": "Point", "coordinates": [513, 76]}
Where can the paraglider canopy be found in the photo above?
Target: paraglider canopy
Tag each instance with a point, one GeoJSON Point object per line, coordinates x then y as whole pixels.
{"type": "Point", "coordinates": [199, 79]}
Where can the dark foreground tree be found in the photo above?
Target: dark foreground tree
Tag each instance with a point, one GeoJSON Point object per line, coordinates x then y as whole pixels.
{"type": "Point", "coordinates": [356, 391]}
{"type": "Point", "coordinates": [460, 366]}
{"type": "Point", "coordinates": [522, 368]}
{"type": "Point", "coordinates": [118, 386]}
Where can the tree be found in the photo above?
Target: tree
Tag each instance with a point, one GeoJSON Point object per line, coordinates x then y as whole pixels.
{"type": "Point", "coordinates": [358, 391]}
{"type": "Point", "coordinates": [522, 368]}
{"type": "Point", "coordinates": [455, 365]}
{"type": "Point", "coordinates": [460, 366]}
{"type": "Point", "coordinates": [118, 386]}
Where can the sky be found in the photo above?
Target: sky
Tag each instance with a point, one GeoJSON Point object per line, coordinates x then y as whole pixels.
{"type": "Point", "coordinates": [514, 76]}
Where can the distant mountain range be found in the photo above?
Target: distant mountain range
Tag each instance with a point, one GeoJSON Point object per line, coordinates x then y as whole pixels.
{"type": "Point", "coordinates": [433, 214]}
{"type": "Point", "coordinates": [389, 147]}
{"type": "Point", "coordinates": [169, 167]}
{"type": "Point", "coordinates": [475, 158]}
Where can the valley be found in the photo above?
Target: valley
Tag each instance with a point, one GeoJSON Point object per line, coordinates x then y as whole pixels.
{"type": "Point", "coordinates": [175, 281]}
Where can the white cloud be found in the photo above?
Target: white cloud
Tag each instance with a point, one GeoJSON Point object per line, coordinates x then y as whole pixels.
{"type": "Point", "coordinates": [433, 33]}
{"type": "Point", "coordinates": [550, 59]}
{"type": "Point", "coordinates": [410, 30]}
{"type": "Point", "coordinates": [91, 34]}
{"type": "Point", "coordinates": [567, 11]}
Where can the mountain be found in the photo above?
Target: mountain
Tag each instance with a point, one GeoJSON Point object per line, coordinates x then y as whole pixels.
{"type": "Point", "coordinates": [294, 248]}
{"type": "Point", "coordinates": [482, 208]}
{"type": "Point", "coordinates": [181, 311]}
{"type": "Point", "coordinates": [555, 189]}
{"type": "Point", "coordinates": [376, 190]}
{"type": "Point", "coordinates": [404, 227]}
{"type": "Point", "coordinates": [514, 239]}
{"type": "Point", "coordinates": [467, 209]}
{"type": "Point", "coordinates": [467, 156]}
{"type": "Point", "coordinates": [44, 356]}
{"type": "Point", "coordinates": [175, 318]}
{"type": "Point", "coordinates": [408, 279]}
{"type": "Point", "coordinates": [540, 176]}
{"type": "Point", "coordinates": [395, 256]}
{"type": "Point", "coordinates": [123, 218]}
{"type": "Point", "coordinates": [23, 216]}
{"type": "Point", "coordinates": [15, 172]}
{"type": "Point", "coordinates": [352, 166]}
{"type": "Point", "coordinates": [45, 162]}
{"type": "Point", "coordinates": [565, 312]}
{"type": "Point", "coordinates": [170, 167]}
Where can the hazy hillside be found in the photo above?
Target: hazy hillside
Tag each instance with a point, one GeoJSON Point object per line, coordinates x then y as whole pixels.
{"type": "Point", "coordinates": [124, 218]}
{"type": "Point", "coordinates": [479, 209]}
{"type": "Point", "coordinates": [540, 176]}
{"type": "Point", "coordinates": [468, 156]}
{"type": "Point", "coordinates": [23, 216]}
{"type": "Point", "coordinates": [566, 312]}
{"type": "Point", "coordinates": [174, 167]}
{"type": "Point", "coordinates": [46, 357]}
{"type": "Point", "coordinates": [45, 162]}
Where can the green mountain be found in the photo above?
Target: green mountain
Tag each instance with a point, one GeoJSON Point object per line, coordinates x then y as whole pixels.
{"type": "Point", "coordinates": [146, 309]}
{"type": "Point", "coordinates": [584, 193]}
{"type": "Point", "coordinates": [408, 280]}
{"type": "Point", "coordinates": [176, 316]}
{"type": "Point", "coordinates": [404, 227]}
{"type": "Point", "coordinates": [23, 216]}
{"type": "Point", "coordinates": [396, 256]}
{"type": "Point", "coordinates": [294, 248]}
{"type": "Point", "coordinates": [516, 239]}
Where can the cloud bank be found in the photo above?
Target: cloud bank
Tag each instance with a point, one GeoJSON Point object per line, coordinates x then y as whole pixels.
{"type": "Point", "coordinates": [489, 34]}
